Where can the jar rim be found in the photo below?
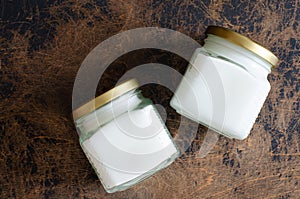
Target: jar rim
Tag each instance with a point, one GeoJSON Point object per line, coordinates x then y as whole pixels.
{"type": "Point", "coordinates": [104, 98]}
{"type": "Point", "coordinates": [244, 42]}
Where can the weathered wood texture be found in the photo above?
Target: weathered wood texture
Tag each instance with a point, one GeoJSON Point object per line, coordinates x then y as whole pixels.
{"type": "Point", "coordinates": [41, 51]}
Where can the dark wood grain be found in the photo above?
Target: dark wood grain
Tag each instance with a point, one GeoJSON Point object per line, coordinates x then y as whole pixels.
{"type": "Point", "coordinates": [40, 156]}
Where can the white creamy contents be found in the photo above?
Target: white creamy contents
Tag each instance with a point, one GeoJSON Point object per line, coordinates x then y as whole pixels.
{"type": "Point", "coordinates": [129, 146]}
{"type": "Point", "coordinates": [238, 100]}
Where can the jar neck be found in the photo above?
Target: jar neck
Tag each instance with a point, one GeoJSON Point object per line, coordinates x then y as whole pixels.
{"type": "Point", "coordinates": [249, 61]}
{"type": "Point", "coordinates": [106, 113]}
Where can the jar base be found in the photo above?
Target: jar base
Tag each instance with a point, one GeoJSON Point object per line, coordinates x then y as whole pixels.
{"type": "Point", "coordinates": [183, 113]}
{"type": "Point", "coordinates": [142, 177]}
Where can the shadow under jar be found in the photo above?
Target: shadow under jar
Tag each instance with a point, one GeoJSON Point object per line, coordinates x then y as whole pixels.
{"type": "Point", "coordinates": [225, 84]}
{"type": "Point", "coordinates": [124, 137]}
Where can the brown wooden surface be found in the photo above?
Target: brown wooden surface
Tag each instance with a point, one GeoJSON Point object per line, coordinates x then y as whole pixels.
{"type": "Point", "coordinates": [40, 156]}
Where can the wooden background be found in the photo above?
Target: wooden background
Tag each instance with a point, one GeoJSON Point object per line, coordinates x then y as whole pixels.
{"type": "Point", "coordinates": [42, 45]}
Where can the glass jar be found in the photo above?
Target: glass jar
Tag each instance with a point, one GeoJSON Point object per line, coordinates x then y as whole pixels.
{"type": "Point", "coordinates": [225, 84]}
{"type": "Point", "coordinates": [124, 137]}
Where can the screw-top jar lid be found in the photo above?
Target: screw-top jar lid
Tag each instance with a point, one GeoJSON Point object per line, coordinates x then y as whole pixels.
{"type": "Point", "coordinates": [244, 42]}
{"type": "Point", "coordinates": [105, 98]}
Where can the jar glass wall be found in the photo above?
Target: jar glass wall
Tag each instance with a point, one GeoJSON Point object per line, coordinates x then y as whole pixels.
{"type": "Point", "coordinates": [126, 140]}
{"type": "Point", "coordinates": [225, 84]}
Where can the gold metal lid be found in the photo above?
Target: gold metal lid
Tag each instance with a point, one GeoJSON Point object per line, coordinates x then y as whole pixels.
{"type": "Point", "coordinates": [244, 42]}
{"type": "Point", "coordinates": [105, 98]}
